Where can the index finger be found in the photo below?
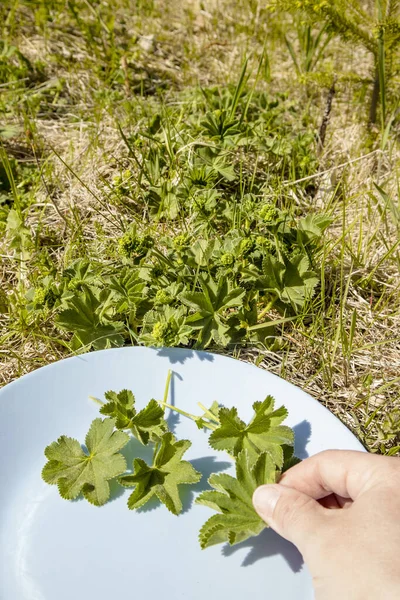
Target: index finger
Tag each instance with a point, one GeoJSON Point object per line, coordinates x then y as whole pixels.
{"type": "Point", "coordinates": [347, 473]}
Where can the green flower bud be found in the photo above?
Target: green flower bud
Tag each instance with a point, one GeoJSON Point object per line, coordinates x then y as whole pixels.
{"type": "Point", "coordinates": [39, 297]}
{"type": "Point", "coordinates": [74, 284]}
{"type": "Point", "coordinates": [117, 180]}
{"type": "Point", "coordinates": [264, 243]}
{"type": "Point", "coordinates": [132, 245]}
{"type": "Point", "coordinates": [246, 245]}
{"type": "Point", "coordinates": [268, 213]}
{"type": "Point", "coordinates": [161, 331]}
{"type": "Point", "coordinates": [156, 272]}
{"type": "Point", "coordinates": [162, 297]}
{"type": "Point", "coordinates": [181, 241]}
{"type": "Point", "coordinates": [227, 259]}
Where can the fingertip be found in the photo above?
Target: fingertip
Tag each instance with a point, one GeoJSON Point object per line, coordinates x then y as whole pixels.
{"type": "Point", "coordinates": [265, 499]}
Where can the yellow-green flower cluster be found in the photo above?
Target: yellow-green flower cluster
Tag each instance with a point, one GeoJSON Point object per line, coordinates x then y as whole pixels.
{"type": "Point", "coordinates": [132, 245]}
{"type": "Point", "coordinates": [227, 259]}
{"type": "Point", "coordinates": [246, 245]}
{"type": "Point", "coordinates": [162, 297]}
{"type": "Point", "coordinates": [268, 213]}
{"type": "Point", "coordinates": [311, 5]}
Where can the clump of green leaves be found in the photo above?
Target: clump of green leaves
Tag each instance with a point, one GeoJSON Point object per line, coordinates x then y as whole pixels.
{"type": "Point", "coordinates": [261, 450]}
{"type": "Point", "coordinates": [170, 293]}
{"type": "Point", "coordinates": [210, 248]}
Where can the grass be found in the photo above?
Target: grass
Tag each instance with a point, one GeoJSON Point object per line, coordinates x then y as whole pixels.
{"type": "Point", "coordinates": [108, 111]}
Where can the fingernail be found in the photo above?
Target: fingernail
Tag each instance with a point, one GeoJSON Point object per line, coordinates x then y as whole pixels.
{"type": "Point", "coordinates": [265, 498]}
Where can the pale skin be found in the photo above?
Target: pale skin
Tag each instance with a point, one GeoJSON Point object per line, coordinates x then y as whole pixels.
{"type": "Point", "coordinates": [342, 511]}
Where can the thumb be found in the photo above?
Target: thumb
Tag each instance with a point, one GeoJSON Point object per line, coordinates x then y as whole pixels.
{"type": "Point", "coordinates": [295, 516]}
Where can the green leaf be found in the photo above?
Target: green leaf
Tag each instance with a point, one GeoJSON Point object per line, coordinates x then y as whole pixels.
{"type": "Point", "coordinates": [289, 459]}
{"type": "Point", "coordinates": [210, 415]}
{"type": "Point", "coordinates": [210, 305]}
{"type": "Point", "coordinates": [84, 317]}
{"type": "Point", "coordinates": [202, 251]}
{"type": "Point", "coordinates": [264, 433]}
{"type": "Point", "coordinates": [291, 280]}
{"type": "Point", "coordinates": [274, 272]}
{"type": "Point", "coordinates": [299, 282]}
{"type": "Point", "coordinates": [128, 289]}
{"type": "Point", "coordinates": [163, 477]}
{"type": "Point", "coordinates": [232, 498]}
{"type": "Point", "coordinates": [166, 326]}
{"type": "Point", "coordinates": [81, 272]}
{"type": "Point", "coordinates": [148, 424]}
{"type": "Point", "coordinates": [311, 227]}
{"type": "Point", "coordinates": [75, 471]}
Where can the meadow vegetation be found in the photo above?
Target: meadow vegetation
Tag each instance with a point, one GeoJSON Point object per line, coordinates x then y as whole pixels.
{"type": "Point", "coordinates": [213, 174]}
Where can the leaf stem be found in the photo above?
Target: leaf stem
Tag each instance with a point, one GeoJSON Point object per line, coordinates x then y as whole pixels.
{"type": "Point", "coordinates": [185, 414]}
{"type": "Point", "coordinates": [267, 308]}
{"type": "Point", "coordinates": [96, 400]}
{"type": "Point", "coordinates": [209, 414]}
{"type": "Point", "coordinates": [178, 410]}
{"type": "Point", "coordinates": [167, 384]}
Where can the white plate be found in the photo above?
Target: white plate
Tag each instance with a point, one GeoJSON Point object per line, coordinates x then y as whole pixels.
{"type": "Point", "coordinates": [52, 549]}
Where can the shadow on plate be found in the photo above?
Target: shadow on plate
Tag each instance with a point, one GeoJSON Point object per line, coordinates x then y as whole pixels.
{"type": "Point", "coordinates": [180, 355]}
{"type": "Point", "coordinates": [134, 449]}
{"type": "Point", "coordinates": [267, 544]}
{"type": "Point", "coordinates": [302, 435]}
{"type": "Point", "coordinates": [205, 465]}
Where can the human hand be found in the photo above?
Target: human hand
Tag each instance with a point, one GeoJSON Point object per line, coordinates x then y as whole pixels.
{"type": "Point", "coordinates": [353, 552]}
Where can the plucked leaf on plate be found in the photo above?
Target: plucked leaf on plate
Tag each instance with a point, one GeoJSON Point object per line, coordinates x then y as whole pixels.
{"type": "Point", "coordinates": [232, 498]}
{"type": "Point", "coordinates": [163, 477]}
{"type": "Point", "coordinates": [210, 415]}
{"type": "Point", "coordinates": [75, 471]}
{"type": "Point", "coordinates": [149, 423]}
{"type": "Point", "coordinates": [264, 432]}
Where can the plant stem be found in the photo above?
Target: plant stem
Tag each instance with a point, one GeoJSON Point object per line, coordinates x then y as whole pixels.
{"type": "Point", "coordinates": [326, 117]}
{"type": "Point", "coordinates": [185, 414]}
{"type": "Point", "coordinates": [96, 400]}
{"type": "Point", "coordinates": [167, 384]}
{"type": "Point", "coordinates": [209, 413]}
{"type": "Point", "coordinates": [374, 99]}
{"type": "Point", "coordinates": [266, 309]}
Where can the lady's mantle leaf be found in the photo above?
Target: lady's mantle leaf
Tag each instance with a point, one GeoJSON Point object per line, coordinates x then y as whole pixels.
{"type": "Point", "coordinates": [147, 424]}
{"type": "Point", "coordinates": [84, 317]}
{"type": "Point", "coordinates": [74, 471]}
{"type": "Point", "coordinates": [264, 433]}
{"type": "Point", "coordinates": [233, 499]}
{"type": "Point", "coordinates": [291, 280]}
{"type": "Point", "coordinates": [162, 478]}
{"type": "Point", "coordinates": [210, 305]}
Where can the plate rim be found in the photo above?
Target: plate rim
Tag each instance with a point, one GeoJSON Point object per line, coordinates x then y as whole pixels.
{"type": "Point", "coordinates": [176, 350]}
